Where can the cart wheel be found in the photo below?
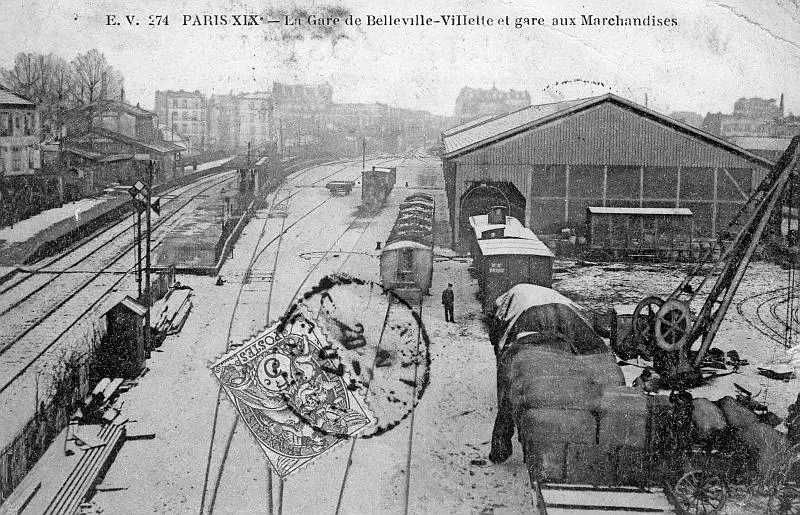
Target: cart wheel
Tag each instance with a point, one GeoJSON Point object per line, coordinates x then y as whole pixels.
{"type": "Point", "coordinates": [700, 492]}
{"type": "Point", "coordinates": [673, 323]}
{"type": "Point", "coordinates": [644, 316]}
{"type": "Point", "coordinates": [785, 500]}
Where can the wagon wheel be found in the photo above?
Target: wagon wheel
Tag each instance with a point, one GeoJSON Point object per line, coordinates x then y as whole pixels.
{"type": "Point", "coordinates": [700, 492]}
{"type": "Point", "coordinates": [644, 317]}
{"type": "Point", "coordinates": [673, 323]}
{"type": "Point", "coordinates": [785, 500]}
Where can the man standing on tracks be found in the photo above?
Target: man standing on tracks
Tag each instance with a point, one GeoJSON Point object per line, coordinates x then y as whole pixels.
{"type": "Point", "coordinates": [447, 302]}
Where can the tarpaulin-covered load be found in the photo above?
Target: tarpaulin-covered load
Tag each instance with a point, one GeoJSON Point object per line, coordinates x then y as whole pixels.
{"type": "Point", "coordinates": [552, 368]}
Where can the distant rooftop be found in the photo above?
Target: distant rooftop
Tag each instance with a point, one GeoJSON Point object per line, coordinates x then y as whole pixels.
{"type": "Point", "coordinates": [7, 97]}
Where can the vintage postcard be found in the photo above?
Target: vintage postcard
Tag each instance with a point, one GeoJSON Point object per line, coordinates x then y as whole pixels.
{"type": "Point", "coordinates": [367, 257]}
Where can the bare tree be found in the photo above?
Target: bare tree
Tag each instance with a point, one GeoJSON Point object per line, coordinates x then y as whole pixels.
{"type": "Point", "coordinates": [94, 78]}
{"type": "Point", "coordinates": [25, 77]}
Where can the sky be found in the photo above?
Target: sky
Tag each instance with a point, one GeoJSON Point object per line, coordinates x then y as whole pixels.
{"type": "Point", "coordinates": [719, 51]}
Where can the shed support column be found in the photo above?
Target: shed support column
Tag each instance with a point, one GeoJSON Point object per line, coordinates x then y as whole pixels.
{"type": "Point", "coordinates": [566, 195]}
{"type": "Point", "coordinates": [529, 203]}
{"type": "Point", "coordinates": [678, 190]}
{"type": "Point", "coordinates": [605, 184]}
{"type": "Point", "coordinates": [641, 185]}
{"type": "Point", "coordinates": [714, 206]}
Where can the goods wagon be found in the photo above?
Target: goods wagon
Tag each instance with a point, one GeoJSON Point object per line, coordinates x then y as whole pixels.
{"type": "Point", "coordinates": [407, 257]}
{"type": "Point", "coordinates": [584, 433]}
{"type": "Point", "coordinates": [640, 231]}
{"type": "Point", "coordinates": [506, 253]}
{"type": "Point", "coordinates": [376, 184]}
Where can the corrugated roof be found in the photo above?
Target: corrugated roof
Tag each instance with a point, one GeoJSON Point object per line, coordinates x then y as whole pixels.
{"type": "Point", "coordinates": [657, 211]}
{"type": "Point", "coordinates": [9, 98]}
{"type": "Point", "coordinates": [466, 125]}
{"type": "Point", "coordinates": [761, 143]}
{"type": "Point", "coordinates": [528, 117]}
{"type": "Point", "coordinates": [497, 126]}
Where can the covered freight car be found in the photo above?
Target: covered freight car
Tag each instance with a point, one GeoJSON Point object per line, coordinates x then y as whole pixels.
{"type": "Point", "coordinates": [407, 257]}
{"type": "Point", "coordinates": [376, 184]}
{"type": "Point", "coordinates": [640, 231]}
{"type": "Point", "coordinates": [506, 253]}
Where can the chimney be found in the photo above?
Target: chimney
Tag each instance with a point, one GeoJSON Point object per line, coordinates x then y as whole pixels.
{"type": "Point", "coordinates": [497, 215]}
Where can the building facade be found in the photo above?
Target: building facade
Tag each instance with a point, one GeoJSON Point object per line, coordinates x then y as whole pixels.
{"type": "Point", "coordinates": [474, 103]}
{"type": "Point", "coordinates": [234, 121]}
{"type": "Point", "coordinates": [185, 113]}
{"type": "Point", "coordinates": [549, 163]}
{"type": "Point", "coordinates": [19, 135]}
{"type": "Point", "coordinates": [753, 118]}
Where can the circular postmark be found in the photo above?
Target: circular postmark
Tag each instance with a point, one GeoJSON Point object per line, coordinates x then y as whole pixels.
{"type": "Point", "coordinates": [374, 338]}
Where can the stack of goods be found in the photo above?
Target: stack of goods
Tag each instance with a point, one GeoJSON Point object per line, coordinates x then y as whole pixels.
{"type": "Point", "coordinates": [555, 398]}
{"type": "Point", "coordinates": [170, 313]}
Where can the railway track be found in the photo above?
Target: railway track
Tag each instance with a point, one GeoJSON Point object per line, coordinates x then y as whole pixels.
{"type": "Point", "coordinates": [208, 499]}
{"type": "Point", "coordinates": [766, 312]}
{"type": "Point", "coordinates": [29, 302]}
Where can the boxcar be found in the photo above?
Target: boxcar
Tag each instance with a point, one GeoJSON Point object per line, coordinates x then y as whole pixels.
{"type": "Point", "coordinates": [637, 231]}
{"type": "Point", "coordinates": [505, 253]}
{"type": "Point", "coordinates": [376, 184]}
{"type": "Point", "coordinates": [407, 257]}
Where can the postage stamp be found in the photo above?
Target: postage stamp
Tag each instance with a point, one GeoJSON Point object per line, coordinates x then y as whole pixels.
{"type": "Point", "coordinates": [292, 395]}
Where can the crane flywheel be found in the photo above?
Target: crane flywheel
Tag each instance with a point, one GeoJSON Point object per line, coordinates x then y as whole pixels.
{"type": "Point", "coordinates": [672, 325]}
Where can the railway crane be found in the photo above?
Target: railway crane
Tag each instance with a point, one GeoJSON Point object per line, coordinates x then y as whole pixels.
{"type": "Point", "coordinates": [665, 330]}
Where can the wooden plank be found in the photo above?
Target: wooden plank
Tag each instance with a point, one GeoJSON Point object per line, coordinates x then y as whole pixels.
{"type": "Point", "coordinates": [98, 468]}
{"type": "Point", "coordinates": [112, 387]}
{"type": "Point", "coordinates": [70, 486]}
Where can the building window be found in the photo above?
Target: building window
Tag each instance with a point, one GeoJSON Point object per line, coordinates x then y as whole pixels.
{"type": "Point", "coordinates": [17, 123]}
{"type": "Point", "coordinates": [28, 125]}
{"type": "Point", "coordinates": [30, 158]}
{"type": "Point", "coordinates": [5, 124]}
{"type": "Point", "coordinates": [16, 158]}
{"type": "Point", "coordinates": [174, 102]}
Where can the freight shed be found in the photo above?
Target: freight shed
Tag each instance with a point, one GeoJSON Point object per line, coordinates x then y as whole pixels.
{"type": "Point", "coordinates": [548, 163]}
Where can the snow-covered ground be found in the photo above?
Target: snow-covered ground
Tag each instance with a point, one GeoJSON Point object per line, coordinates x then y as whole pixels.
{"type": "Point", "coordinates": [439, 464]}
{"type": "Point", "coordinates": [30, 227]}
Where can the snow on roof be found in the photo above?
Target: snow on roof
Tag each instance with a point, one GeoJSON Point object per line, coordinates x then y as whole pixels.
{"type": "Point", "coordinates": [468, 125]}
{"type": "Point", "coordinates": [9, 98]}
{"type": "Point", "coordinates": [517, 239]}
{"type": "Point", "coordinates": [504, 246]}
{"type": "Point", "coordinates": [761, 143]}
{"type": "Point", "coordinates": [657, 211]}
{"type": "Point", "coordinates": [523, 119]}
{"type": "Point", "coordinates": [496, 126]}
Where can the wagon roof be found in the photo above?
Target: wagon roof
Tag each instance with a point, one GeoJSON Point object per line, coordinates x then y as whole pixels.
{"type": "Point", "coordinates": [514, 246]}
{"type": "Point", "coordinates": [405, 244]}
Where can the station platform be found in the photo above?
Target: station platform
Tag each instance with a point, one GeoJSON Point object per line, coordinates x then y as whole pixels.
{"type": "Point", "coordinates": [55, 229]}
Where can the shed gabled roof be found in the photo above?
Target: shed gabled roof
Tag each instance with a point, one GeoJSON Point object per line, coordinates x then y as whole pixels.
{"type": "Point", "coordinates": [500, 128]}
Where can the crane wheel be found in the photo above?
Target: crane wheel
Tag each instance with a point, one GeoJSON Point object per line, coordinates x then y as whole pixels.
{"type": "Point", "coordinates": [644, 317]}
{"type": "Point", "coordinates": [672, 326]}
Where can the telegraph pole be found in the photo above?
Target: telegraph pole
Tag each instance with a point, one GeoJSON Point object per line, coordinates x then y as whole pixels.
{"type": "Point", "coordinates": [363, 152]}
{"type": "Point", "coordinates": [137, 234]}
{"type": "Point", "coordinates": [147, 335]}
